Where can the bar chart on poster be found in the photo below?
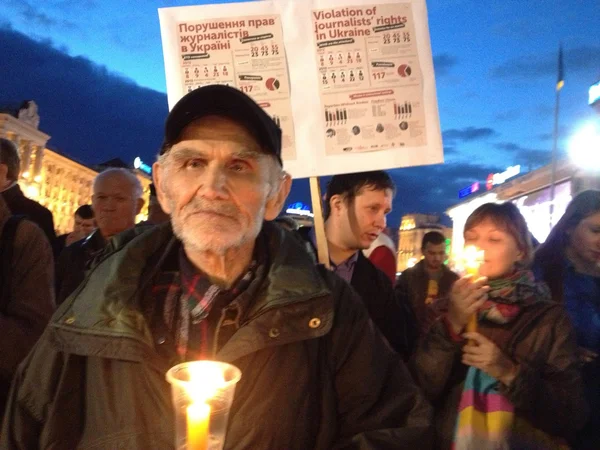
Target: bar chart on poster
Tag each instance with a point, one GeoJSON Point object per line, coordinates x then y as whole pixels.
{"type": "Point", "coordinates": [349, 82]}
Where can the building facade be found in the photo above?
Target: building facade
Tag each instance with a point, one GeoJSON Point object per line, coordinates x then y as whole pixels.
{"type": "Point", "coordinates": [59, 183]}
{"type": "Point", "coordinates": [410, 236]}
{"type": "Point", "coordinates": [532, 193]}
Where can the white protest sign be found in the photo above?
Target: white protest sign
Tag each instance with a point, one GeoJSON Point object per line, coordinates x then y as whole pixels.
{"type": "Point", "coordinates": [350, 82]}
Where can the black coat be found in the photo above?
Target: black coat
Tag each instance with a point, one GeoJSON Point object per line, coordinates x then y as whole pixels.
{"type": "Point", "coordinates": [60, 244]}
{"type": "Point", "coordinates": [38, 214]}
{"type": "Point", "coordinates": [396, 321]}
{"type": "Point", "coordinates": [73, 263]}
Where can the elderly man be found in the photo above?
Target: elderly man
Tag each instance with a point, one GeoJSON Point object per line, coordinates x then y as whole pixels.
{"type": "Point", "coordinates": [229, 286]}
{"type": "Point", "coordinates": [116, 201]}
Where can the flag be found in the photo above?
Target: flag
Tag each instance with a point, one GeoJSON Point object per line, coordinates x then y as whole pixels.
{"type": "Point", "coordinates": [560, 82]}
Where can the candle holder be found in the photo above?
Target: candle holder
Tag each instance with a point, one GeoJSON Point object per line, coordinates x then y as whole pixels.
{"type": "Point", "coordinates": [202, 395]}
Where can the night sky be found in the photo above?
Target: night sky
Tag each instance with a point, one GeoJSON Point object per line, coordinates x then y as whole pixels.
{"type": "Point", "coordinates": [95, 69]}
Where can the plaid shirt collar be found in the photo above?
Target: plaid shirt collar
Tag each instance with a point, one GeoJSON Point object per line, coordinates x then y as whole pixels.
{"type": "Point", "coordinates": [188, 296]}
{"type": "Point", "coordinates": [200, 293]}
{"type": "Point", "coordinates": [197, 291]}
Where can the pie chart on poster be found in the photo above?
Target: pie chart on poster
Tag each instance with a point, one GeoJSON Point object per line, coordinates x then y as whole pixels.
{"type": "Point", "coordinates": [272, 84]}
{"type": "Point", "coordinates": [404, 70]}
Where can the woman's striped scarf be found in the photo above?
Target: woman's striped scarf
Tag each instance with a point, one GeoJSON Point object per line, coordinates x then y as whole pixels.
{"type": "Point", "coordinates": [486, 418]}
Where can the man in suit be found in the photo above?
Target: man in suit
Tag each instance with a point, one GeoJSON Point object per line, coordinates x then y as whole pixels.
{"type": "Point", "coordinates": [16, 201]}
{"type": "Point", "coordinates": [84, 224]}
{"type": "Point", "coordinates": [356, 206]}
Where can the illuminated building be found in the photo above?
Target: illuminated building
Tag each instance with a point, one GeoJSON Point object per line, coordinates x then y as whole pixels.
{"type": "Point", "coordinates": [59, 183]}
{"type": "Point", "coordinates": [410, 236]}
{"type": "Point", "coordinates": [301, 213]}
{"type": "Point", "coordinates": [531, 193]}
{"type": "Point", "coordinates": [594, 96]}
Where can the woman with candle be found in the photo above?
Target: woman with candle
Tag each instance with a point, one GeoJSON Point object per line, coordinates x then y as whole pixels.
{"type": "Point", "coordinates": [569, 261]}
{"type": "Point", "coordinates": [513, 384]}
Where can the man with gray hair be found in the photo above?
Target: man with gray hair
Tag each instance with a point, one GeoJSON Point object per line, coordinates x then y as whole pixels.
{"type": "Point", "coordinates": [116, 201]}
{"type": "Point", "coordinates": [16, 201]}
{"type": "Point", "coordinates": [220, 282]}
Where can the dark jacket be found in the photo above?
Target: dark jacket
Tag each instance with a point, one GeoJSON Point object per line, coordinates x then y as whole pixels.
{"type": "Point", "coordinates": [315, 373]}
{"type": "Point", "coordinates": [395, 321]}
{"type": "Point", "coordinates": [73, 263]}
{"type": "Point", "coordinates": [411, 288]}
{"type": "Point", "coordinates": [580, 295]}
{"type": "Point", "coordinates": [547, 391]}
{"type": "Point", "coordinates": [30, 302]}
{"type": "Point", "coordinates": [60, 244]}
{"type": "Point", "coordinates": [38, 214]}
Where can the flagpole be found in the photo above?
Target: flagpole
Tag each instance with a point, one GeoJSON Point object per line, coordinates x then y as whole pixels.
{"type": "Point", "coordinates": [559, 85]}
{"type": "Point", "coordinates": [554, 156]}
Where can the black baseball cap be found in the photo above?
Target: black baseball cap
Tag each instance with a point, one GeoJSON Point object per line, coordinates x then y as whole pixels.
{"type": "Point", "coordinates": [225, 101]}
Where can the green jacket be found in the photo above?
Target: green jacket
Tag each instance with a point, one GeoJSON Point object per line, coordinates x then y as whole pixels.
{"type": "Point", "coordinates": [315, 373]}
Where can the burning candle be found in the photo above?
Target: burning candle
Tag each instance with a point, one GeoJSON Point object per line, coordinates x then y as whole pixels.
{"type": "Point", "coordinates": [472, 258]}
{"type": "Point", "coordinates": [202, 390]}
{"type": "Point", "coordinates": [198, 420]}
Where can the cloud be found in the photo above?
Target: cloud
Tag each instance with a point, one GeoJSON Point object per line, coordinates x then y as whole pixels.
{"type": "Point", "coordinates": [68, 5]}
{"type": "Point", "coordinates": [450, 150]}
{"type": "Point", "coordinates": [508, 115]}
{"type": "Point", "coordinates": [443, 62]}
{"type": "Point", "coordinates": [467, 134]}
{"type": "Point", "coordinates": [35, 16]}
{"type": "Point", "coordinates": [543, 110]}
{"type": "Point", "coordinates": [508, 146]}
{"type": "Point", "coordinates": [578, 59]}
{"type": "Point", "coordinates": [519, 29]}
{"type": "Point", "coordinates": [434, 189]}
{"type": "Point", "coordinates": [562, 131]}
{"type": "Point", "coordinates": [530, 157]}
{"type": "Point", "coordinates": [88, 110]}
{"type": "Point", "coordinates": [545, 136]}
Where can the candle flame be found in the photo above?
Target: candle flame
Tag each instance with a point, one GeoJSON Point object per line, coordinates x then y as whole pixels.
{"type": "Point", "coordinates": [472, 258]}
{"type": "Point", "coordinates": [205, 382]}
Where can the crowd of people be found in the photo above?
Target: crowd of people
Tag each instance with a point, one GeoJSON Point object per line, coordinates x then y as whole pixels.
{"type": "Point", "coordinates": [345, 357]}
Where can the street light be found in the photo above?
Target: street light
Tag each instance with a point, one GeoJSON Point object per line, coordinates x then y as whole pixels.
{"type": "Point", "coordinates": [584, 147]}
